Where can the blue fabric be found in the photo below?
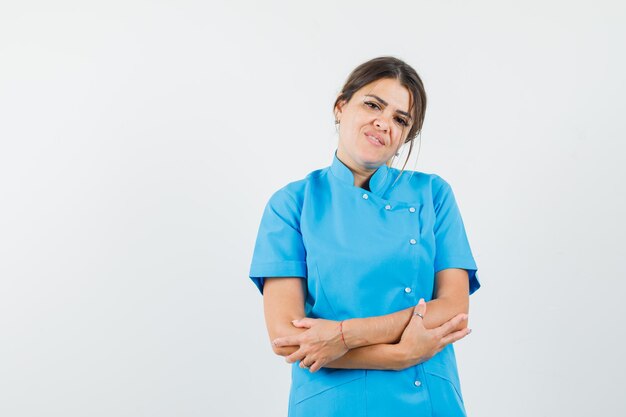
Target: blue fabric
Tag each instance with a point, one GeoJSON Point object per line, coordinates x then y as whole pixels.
{"type": "Point", "coordinates": [358, 251]}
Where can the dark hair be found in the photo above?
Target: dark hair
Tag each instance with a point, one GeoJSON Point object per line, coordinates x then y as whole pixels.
{"type": "Point", "coordinates": [394, 68]}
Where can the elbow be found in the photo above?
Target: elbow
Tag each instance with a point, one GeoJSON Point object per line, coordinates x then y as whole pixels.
{"type": "Point", "coordinates": [283, 331]}
{"type": "Point", "coordinates": [462, 325]}
{"type": "Point", "coordinates": [277, 350]}
{"type": "Point", "coordinates": [284, 350]}
{"type": "Point", "coordinates": [465, 310]}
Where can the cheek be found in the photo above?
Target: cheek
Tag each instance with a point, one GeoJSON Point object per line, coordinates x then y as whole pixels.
{"type": "Point", "coordinates": [403, 133]}
{"type": "Point", "coordinates": [362, 118]}
{"type": "Point", "coordinates": [354, 126]}
{"type": "Point", "coordinates": [397, 136]}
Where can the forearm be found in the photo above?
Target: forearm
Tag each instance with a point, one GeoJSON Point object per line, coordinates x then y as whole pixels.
{"type": "Point", "coordinates": [379, 356]}
{"type": "Point", "coordinates": [283, 301]}
{"type": "Point", "coordinates": [388, 328]}
{"type": "Point", "coordinates": [376, 330]}
{"type": "Point", "coordinates": [417, 343]}
{"type": "Point", "coordinates": [440, 310]}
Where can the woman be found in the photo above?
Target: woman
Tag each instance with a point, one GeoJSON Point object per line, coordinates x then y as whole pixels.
{"type": "Point", "coordinates": [366, 270]}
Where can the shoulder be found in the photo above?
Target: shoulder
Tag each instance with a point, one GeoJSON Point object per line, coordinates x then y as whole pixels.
{"type": "Point", "coordinates": [422, 182]}
{"type": "Point", "coordinates": [294, 193]}
{"type": "Point", "coordinates": [441, 188]}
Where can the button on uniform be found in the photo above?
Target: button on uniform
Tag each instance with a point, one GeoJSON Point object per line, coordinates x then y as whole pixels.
{"type": "Point", "coordinates": [417, 383]}
{"type": "Point", "coordinates": [388, 207]}
{"type": "Point", "coordinates": [365, 196]}
{"type": "Point", "coordinates": [412, 209]}
{"type": "Point", "coordinates": [412, 241]}
{"type": "Point", "coordinates": [407, 290]}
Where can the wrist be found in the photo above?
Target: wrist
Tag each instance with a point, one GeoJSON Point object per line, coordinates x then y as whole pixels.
{"type": "Point", "coordinates": [406, 356]}
{"type": "Point", "coordinates": [400, 357]}
{"type": "Point", "coordinates": [343, 339]}
{"type": "Point", "coordinates": [351, 334]}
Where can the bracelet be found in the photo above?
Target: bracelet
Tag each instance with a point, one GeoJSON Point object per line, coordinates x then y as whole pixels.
{"type": "Point", "coordinates": [341, 331]}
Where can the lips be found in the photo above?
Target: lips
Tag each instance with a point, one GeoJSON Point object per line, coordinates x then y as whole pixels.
{"type": "Point", "coordinates": [375, 138]}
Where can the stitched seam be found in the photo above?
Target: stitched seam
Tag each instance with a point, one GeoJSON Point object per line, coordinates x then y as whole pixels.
{"type": "Point", "coordinates": [430, 398]}
{"type": "Point", "coordinates": [329, 388]}
{"type": "Point", "coordinates": [319, 279]}
{"type": "Point", "coordinates": [296, 204]}
{"type": "Point", "coordinates": [458, 394]}
{"type": "Point", "coordinates": [365, 393]}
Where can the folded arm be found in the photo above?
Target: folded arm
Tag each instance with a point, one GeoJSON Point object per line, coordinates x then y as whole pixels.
{"type": "Point", "coordinates": [451, 297]}
{"type": "Point", "coordinates": [376, 338]}
{"type": "Point", "coordinates": [373, 341]}
{"type": "Point", "coordinates": [283, 301]}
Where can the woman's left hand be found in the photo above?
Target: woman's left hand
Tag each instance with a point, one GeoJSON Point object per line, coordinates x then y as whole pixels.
{"type": "Point", "coordinates": [320, 344]}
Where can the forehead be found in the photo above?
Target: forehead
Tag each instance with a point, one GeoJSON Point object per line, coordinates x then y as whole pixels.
{"type": "Point", "coordinates": [395, 94]}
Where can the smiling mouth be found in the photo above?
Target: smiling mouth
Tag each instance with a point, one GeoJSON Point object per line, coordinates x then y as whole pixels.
{"type": "Point", "coordinates": [374, 139]}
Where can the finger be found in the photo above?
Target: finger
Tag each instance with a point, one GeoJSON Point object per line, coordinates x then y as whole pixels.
{"type": "Point", "coordinates": [298, 355]}
{"type": "Point", "coordinates": [456, 336]}
{"type": "Point", "coordinates": [287, 341]}
{"type": "Point", "coordinates": [418, 311]}
{"type": "Point", "coordinates": [316, 366]}
{"type": "Point", "coordinates": [304, 363]}
{"type": "Point", "coordinates": [305, 323]}
{"type": "Point", "coordinates": [450, 326]}
{"type": "Point", "coordinates": [421, 307]}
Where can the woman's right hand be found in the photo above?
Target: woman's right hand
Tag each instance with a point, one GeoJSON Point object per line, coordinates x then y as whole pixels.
{"type": "Point", "coordinates": [418, 344]}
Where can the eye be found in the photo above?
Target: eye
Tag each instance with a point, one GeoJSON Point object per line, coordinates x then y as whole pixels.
{"type": "Point", "coordinates": [372, 105]}
{"type": "Point", "coordinates": [402, 121]}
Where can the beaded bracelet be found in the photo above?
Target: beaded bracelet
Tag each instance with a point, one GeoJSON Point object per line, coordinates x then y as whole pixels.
{"type": "Point", "coordinates": [341, 331]}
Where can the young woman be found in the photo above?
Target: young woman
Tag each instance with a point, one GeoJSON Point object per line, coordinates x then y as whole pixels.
{"type": "Point", "coordinates": [365, 269]}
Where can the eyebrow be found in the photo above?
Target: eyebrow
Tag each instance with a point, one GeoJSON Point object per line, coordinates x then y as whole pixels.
{"type": "Point", "coordinates": [385, 103]}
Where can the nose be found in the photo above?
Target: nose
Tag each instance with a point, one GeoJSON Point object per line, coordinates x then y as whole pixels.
{"type": "Point", "coordinates": [381, 123]}
{"type": "Point", "coordinates": [383, 119]}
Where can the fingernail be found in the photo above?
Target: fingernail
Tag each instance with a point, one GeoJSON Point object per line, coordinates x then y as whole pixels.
{"type": "Point", "coordinates": [293, 321]}
{"type": "Point", "coordinates": [469, 331]}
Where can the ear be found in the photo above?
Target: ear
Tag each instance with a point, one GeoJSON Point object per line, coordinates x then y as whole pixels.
{"type": "Point", "coordinates": [339, 109]}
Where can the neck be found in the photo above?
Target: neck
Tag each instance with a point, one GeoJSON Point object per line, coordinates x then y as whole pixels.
{"type": "Point", "coordinates": [361, 180]}
{"type": "Point", "coordinates": [361, 175]}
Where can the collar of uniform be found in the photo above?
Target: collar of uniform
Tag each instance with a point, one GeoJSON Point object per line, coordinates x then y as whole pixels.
{"type": "Point", "coordinates": [343, 173]}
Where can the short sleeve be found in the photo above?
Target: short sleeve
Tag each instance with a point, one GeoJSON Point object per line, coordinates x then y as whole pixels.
{"type": "Point", "coordinates": [279, 250]}
{"type": "Point", "coordinates": [452, 246]}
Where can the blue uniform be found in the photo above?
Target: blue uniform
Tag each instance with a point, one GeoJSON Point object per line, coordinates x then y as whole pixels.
{"type": "Point", "coordinates": [366, 253]}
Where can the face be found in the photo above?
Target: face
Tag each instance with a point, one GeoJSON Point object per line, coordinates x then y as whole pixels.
{"type": "Point", "coordinates": [373, 124]}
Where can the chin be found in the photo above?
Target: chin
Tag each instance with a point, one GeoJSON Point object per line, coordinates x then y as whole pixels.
{"type": "Point", "coordinates": [365, 155]}
{"type": "Point", "coordinates": [372, 162]}
{"type": "Point", "coordinates": [371, 158]}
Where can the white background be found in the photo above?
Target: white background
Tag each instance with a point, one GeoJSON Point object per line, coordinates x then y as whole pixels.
{"type": "Point", "coordinates": [140, 141]}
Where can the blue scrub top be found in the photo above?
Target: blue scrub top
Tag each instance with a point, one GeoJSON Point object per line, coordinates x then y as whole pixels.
{"type": "Point", "coordinates": [366, 253]}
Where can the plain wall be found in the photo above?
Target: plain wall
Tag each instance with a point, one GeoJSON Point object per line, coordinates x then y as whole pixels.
{"type": "Point", "coordinates": [140, 141]}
